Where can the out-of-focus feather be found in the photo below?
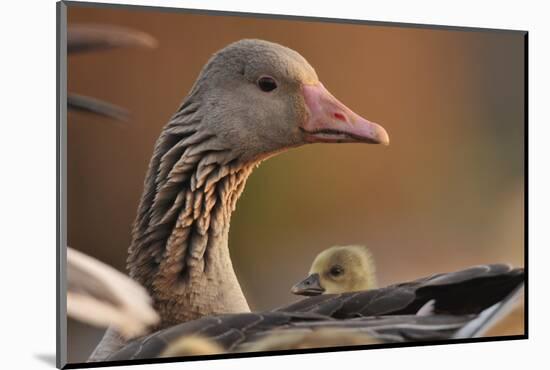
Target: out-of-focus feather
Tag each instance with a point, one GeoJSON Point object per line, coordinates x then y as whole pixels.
{"type": "Point", "coordinates": [96, 37]}
{"type": "Point", "coordinates": [88, 104]}
{"type": "Point", "coordinates": [193, 345]}
{"type": "Point", "coordinates": [100, 295]}
{"type": "Point", "coordinates": [302, 339]}
{"type": "Point", "coordinates": [91, 37]}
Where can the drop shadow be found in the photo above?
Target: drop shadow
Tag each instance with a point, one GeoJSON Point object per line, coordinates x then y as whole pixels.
{"type": "Point", "coordinates": [47, 358]}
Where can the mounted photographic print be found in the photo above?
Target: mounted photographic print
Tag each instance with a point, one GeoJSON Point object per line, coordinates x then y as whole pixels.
{"type": "Point", "coordinates": [235, 185]}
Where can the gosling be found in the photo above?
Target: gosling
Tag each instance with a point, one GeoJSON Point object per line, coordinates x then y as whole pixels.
{"type": "Point", "coordinates": [339, 269]}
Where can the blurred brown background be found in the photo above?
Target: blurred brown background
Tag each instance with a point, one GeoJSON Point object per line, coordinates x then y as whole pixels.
{"type": "Point", "coordinates": [447, 193]}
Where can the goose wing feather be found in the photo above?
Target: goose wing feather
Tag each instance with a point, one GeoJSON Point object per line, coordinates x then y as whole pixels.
{"type": "Point", "coordinates": [387, 314]}
{"type": "Point", "coordinates": [483, 285]}
{"type": "Point", "coordinates": [236, 332]}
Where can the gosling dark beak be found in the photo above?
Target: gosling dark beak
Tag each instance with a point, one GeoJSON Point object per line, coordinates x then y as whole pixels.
{"type": "Point", "coordinates": [310, 286]}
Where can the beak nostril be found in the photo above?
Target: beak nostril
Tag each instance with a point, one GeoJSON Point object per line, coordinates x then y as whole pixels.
{"type": "Point", "coordinates": [340, 117]}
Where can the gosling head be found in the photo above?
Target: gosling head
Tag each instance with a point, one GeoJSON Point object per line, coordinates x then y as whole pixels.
{"type": "Point", "coordinates": [337, 270]}
{"type": "Point", "coordinates": [260, 98]}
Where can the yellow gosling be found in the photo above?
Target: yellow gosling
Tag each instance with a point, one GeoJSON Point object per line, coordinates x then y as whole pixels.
{"type": "Point", "coordinates": [339, 269]}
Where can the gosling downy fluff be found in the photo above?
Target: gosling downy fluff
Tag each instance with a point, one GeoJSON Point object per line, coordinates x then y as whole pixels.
{"type": "Point", "coordinates": [339, 269]}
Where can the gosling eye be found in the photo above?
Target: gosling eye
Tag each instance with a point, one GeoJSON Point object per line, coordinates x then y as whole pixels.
{"type": "Point", "coordinates": [336, 270]}
{"type": "Point", "coordinates": [266, 83]}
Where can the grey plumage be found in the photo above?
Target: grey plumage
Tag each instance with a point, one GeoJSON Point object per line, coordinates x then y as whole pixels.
{"type": "Point", "coordinates": [467, 291]}
{"type": "Point", "coordinates": [236, 333]}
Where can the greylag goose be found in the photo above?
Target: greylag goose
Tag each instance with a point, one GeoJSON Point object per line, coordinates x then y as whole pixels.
{"type": "Point", "coordinates": [95, 37]}
{"type": "Point", "coordinates": [252, 100]}
{"type": "Point", "coordinates": [100, 295]}
{"type": "Point", "coordinates": [339, 269]}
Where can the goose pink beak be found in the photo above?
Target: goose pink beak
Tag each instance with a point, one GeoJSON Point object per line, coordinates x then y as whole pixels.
{"type": "Point", "coordinates": [330, 121]}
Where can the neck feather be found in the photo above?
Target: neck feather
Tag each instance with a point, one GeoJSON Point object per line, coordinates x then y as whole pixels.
{"type": "Point", "coordinates": [179, 248]}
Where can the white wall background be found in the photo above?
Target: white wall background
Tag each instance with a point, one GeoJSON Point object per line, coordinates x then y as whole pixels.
{"type": "Point", "coordinates": [27, 193]}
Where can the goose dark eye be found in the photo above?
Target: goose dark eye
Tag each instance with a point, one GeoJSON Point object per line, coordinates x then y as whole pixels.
{"type": "Point", "coordinates": [336, 270]}
{"type": "Point", "coordinates": [267, 84]}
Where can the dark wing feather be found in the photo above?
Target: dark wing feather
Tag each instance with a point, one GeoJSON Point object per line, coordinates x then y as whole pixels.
{"type": "Point", "coordinates": [394, 328]}
{"type": "Point", "coordinates": [236, 332]}
{"type": "Point", "coordinates": [387, 314]}
{"type": "Point", "coordinates": [472, 290]}
{"type": "Point", "coordinates": [490, 316]}
{"type": "Point", "coordinates": [483, 286]}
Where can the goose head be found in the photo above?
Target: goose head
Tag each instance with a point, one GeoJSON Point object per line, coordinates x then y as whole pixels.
{"type": "Point", "coordinates": [339, 269]}
{"type": "Point", "coordinates": [260, 98]}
